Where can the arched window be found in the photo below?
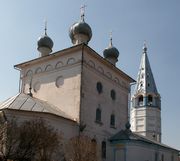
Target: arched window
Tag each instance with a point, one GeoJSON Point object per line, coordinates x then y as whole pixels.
{"type": "Point", "coordinates": [113, 94]}
{"type": "Point", "coordinates": [112, 120]}
{"type": "Point", "coordinates": [99, 87]}
{"type": "Point", "coordinates": [156, 156]}
{"type": "Point", "coordinates": [150, 100]}
{"type": "Point", "coordinates": [98, 115]}
{"type": "Point", "coordinates": [103, 149]}
{"type": "Point", "coordinates": [140, 100]}
{"type": "Point", "coordinates": [162, 157]}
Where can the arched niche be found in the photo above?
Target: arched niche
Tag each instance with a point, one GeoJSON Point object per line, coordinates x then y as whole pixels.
{"type": "Point", "coordinates": [91, 63]}
{"type": "Point", "coordinates": [38, 70]}
{"type": "Point", "coordinates": [48, 67]}
{"type": "Point", "coordinates": [59, 64]}
{"type": "Point", "coordinates": [71, 61]}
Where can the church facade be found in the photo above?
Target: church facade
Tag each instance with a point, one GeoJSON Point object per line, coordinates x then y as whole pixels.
{"type": "Point", "coordinates": [80, 92]}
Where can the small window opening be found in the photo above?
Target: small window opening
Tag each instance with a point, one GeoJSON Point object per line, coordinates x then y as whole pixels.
{"type": "Point", "coordinates": [98, 115]}
{"type": "Point", "coordinates": [99, 87]}
{"type": "Point", "coordinates": [150, 100]}
{"type": "Point", "coordinates": [112, 120]}
{"type": "Point", "coordinates": [113, 94]}
{"type": "Point", "coordinates": [140, 100]}
{"type": "Point", "coordinates": [103, 149]}
{"type": "Point", "coordinates": [162, 157]}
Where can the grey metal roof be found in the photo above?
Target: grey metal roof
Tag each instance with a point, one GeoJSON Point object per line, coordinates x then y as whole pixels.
{"type": "Point", "coordinates": [128, 135]}
{"type": "Point", "coordinates": [25, 102]}
{"type": "Point", "coordinates": [145, 79]}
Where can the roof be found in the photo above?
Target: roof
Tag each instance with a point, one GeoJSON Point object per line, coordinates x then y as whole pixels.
{"type": "Point", "coordinates": [128, 135]}
{"type": "Point", "coordinates": [145, 79]}
{"type": "Point", "coordinates": [120, 72]}
{"type": "Point", "coordinates": [25, 102]}
{"type": "Point", "coordinates": [75, 47]}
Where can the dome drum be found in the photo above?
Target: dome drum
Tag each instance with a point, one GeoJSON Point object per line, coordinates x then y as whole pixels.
{"type": "Point", "coordinates": [80, 38]}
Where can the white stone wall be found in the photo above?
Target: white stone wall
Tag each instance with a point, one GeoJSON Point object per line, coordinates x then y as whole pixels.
{"type": "Point", "coordinates": [96, 71]}
{"type": "Point", "coordinates": [143, 152]}
{"type": "Point", "coordinates": [65, 127]}
{"type": "Point", "coordinates": [146, 121]}
{"type": "Point", "coordinates": [56, 81]}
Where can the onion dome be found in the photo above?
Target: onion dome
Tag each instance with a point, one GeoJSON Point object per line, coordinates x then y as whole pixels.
{"type": "Point", "coordinates": [111, 53]}
{"type": "Point", "coordinates": [45, 44]}
{"type": "Point", "coordinates": [80, 32]}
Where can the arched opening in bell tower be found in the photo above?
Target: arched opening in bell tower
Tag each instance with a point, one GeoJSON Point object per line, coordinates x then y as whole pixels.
{"type": "Point", "coordinates": [140, 100]}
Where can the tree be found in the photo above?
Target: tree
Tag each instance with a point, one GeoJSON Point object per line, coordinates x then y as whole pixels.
{"type": "Point", "coordinates": [32, 140]}
{"type": "Point", "coordinates": [81, 148]}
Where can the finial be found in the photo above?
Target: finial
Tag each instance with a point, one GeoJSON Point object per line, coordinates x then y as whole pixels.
{"type": "Point", "coordinates": [45, 26]}
{"type": "Point", "coordinates": [82, 12]}
{"type": "Point", "coordinates": [144, 47]}
{"type": "Point", "coordinates": [110, 35]}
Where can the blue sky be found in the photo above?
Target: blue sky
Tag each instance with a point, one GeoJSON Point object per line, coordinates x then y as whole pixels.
{"type": "Point", "coordinates": [132, 22]}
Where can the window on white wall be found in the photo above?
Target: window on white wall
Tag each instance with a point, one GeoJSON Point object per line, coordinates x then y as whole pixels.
{"type": "Point", "coordinates": [162, 157]}
{"type": "Point", "coordinates": [98, 115]}
{"type": "Point", "coordinates": [99, 87]}
{"type": "Point", "coordinates": [103, 149]}
{"type": "Point", "coordinates": [112, 120]}
{"type": "Point", "coordinates": [172, 157]}
{"type": "Point", "coordinates": [156, 156]}
{"type": "Point", "coordinates": [140, 100]}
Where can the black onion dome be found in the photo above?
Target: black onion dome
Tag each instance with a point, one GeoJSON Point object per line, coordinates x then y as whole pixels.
{"type": "Point", "coordinates": [45, 41]}
{"type": "Point", "coordinates": [80, 28]}
{"type": "Point", "coordinates": [111, 52]}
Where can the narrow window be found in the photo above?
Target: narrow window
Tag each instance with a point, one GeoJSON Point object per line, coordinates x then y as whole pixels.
{"type": "Point", "coordinates": [99, 87]}
{"type": "Point", "coordinates": [98, 115]}
{"type": "Point", "coordinates": [140, 100]}
{"type": "Point", "coordinates": [113, 94]}
{"type": "Point", "coordinates": [103, 149]}
{"type": "Point", "coordinates": [162, 157]}
{"type": "Point", "coordinates": [172, 157]}
{"type": "Point", "coordinates": [112, 120]}
{"type": "Point", "coordinates": [156, 156]}
{"type": "Point", "coordinates": [150, 100]}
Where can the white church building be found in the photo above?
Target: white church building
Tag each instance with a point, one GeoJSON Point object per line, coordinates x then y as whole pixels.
{"type": "Point", "coordinates": [80, 92]}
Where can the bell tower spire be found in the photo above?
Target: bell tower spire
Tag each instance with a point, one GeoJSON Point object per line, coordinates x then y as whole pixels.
{"type": "Point", "coordinates": [145, 79]}
{"type": "Point", "coordinates": [146, 102]}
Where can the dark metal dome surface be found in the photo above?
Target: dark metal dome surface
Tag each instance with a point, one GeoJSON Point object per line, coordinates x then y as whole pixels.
{"type": "Point", "coordinates": [45, 41]}
{"type": "Point", "coordinates": [80, 28]}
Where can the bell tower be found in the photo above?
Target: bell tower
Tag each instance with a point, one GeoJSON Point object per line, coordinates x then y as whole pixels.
{"type": "Point", "coordinates": [146, 103]}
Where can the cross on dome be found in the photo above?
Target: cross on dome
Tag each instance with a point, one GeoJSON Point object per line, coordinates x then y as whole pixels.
{"type": "Point", "coordinates": [82, 11]}
{"type": "Point", "coordinates": [110, 35]}
{"type": "Point", "coordinates": [45, 26]}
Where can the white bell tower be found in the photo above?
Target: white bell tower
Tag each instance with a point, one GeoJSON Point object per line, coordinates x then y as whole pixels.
{"type": "Point", "coordinates": [146, 103]}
